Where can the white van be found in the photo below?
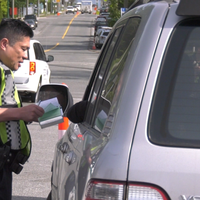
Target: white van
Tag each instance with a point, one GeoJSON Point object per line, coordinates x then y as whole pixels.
{"type": "Point", "coordinates": [78, 6]}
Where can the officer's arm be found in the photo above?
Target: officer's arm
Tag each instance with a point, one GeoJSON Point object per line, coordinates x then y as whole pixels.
{"type": "Point", "coordinates": [27, 113]}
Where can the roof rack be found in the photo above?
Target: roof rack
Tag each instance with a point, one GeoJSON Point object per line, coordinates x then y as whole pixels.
{"type": "Point", "coordinates": [188, 8]}
{"type": "Point", "coordinates": [140, 2]}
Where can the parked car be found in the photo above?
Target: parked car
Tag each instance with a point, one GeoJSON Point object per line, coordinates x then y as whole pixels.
{"type": "Point", "coordinates": [31, 23]}
{"type": "Point", "coordinates": [99, 23]}
{"type": "Point", "coordinates": [106, 15]}
{"type": "Point", "coordinates": [104, 9]}
{"type": "Point", "coordinates": [101, 36]}
{"type": "Point", "coordinates": [100, 19]}
{"type": "Point", "coordinates": [33, 72]}
{"type": "Point", "coordinates": [135, 134]}
{"type": "Point", "coordinates": [33, 17]}
{"type": "Point", "coordinates": [101, 16]}
{"type": "Point", "coordinates": [70, 9]}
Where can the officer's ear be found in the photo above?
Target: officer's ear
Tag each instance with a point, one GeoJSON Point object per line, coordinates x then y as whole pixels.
{"type": "Point", "coordinates": [4, 43]}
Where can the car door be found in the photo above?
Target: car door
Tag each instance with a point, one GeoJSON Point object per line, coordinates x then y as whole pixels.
{"type": "Point", "coordinates": [80, 147]}
{"type": "Point", "coordinates": [69, 178]}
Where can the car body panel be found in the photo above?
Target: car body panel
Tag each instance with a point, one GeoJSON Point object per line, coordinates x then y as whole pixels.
{"type": "Point", "coordinates": [168, 166]}
{"type": "Point", "coordinates": [27, 83]}
{"type": "Point", "coordinates": [101, 36]}
{"type": "Point", "coordinates": [70, 9]}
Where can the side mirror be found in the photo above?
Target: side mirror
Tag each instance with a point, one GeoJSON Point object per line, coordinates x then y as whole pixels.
{"type": "Point", "coordinates": [60, 91]}
{"type": "Point", "coordinates": [76, 113]}
{"type": "Point", "coordinates": [49, 58]}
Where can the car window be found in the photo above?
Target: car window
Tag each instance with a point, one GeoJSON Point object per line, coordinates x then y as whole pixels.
{"type": "Point", "coordinates": [105, 33]}
{"type": "Point", "coordinates": [101, 22]}
{"type": "Point", "coordinates": [175, 112]}
{"type": "Point", "coordinates": [114, 62]}
{"type": "Point", "coordinates": [39, 52]}
{"type": "Point", "coordinates": [109, 48]}
{"type": "Point", "coordinates": [30, 17]}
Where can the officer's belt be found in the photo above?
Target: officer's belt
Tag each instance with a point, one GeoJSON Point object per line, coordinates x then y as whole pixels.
{"type": "Point", "coordinates": [14, 159]}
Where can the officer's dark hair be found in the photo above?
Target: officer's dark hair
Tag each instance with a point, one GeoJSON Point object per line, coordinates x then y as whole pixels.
{"type": "Point", "coordinates": [14, 30]}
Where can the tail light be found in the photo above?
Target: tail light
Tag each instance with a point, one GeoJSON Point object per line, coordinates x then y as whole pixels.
{"type": "Point", "coordinates": [146, 192]}
{"type": "Point", "coordinates": [32, 68]}
{"type": "Point", "coordinates": [104, 190]}
{"type": "Point", "coordinates": [97, 190]}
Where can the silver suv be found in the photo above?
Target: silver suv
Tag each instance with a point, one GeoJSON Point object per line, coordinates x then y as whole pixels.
{"type": "Point", "coordinates": [136, 134]}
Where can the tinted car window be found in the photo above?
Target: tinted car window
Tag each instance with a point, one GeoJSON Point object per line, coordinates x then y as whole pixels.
{"type": "Point", "coordinates": [39, 52]}
{"type": "Point", "coordinates": [105, 33]}
{"type": "Point", "coordinates": [116, 65]}
{"type": "Point", "coordinates": [99, 23]}
{"type": "Point", "coordinates": [175, 114]}
{"type": "Point", "coordinates": [102, 66]}
{"type": "Point", "coordinates": [30, 17]}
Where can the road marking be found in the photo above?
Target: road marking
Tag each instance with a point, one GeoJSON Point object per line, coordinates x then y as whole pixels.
{"type": "Point", "coordinates": [52, 48]}
{"type": "Point", "coordinates": [64, 33]}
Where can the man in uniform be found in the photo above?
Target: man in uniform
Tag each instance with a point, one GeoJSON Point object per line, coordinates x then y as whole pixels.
{"type": "Point", "coordinates": [15, 140]}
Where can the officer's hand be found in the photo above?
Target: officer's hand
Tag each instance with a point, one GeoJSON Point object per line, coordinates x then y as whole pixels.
{"type": "Point", "coordinates": [31, 113]}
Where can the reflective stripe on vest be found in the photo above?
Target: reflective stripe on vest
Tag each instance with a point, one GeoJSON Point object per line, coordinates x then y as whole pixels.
{"type": "Point", "coordinates": [15, 132]}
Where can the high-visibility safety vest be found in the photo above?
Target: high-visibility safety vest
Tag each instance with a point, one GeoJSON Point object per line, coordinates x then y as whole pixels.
{"type": "Point", "coordinates": [16, 132]}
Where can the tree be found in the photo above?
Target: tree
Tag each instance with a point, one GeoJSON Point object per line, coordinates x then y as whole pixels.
{"type": "Point", "coordinates": [114, 9]}
{"type": "Point", "coordinates": [3, 9]}
{"type": "Point", "coordinates": [114, 12]}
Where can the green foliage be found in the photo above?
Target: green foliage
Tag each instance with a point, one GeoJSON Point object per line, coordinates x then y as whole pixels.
{"type": "Point", "coordinates": [19, 3]}
{"type": "Point", "coordinates": [114, 9]}
{"type": "Point", "coordinates": [114, 12]}
{"type": "Point", "coordinates": [3, 9]}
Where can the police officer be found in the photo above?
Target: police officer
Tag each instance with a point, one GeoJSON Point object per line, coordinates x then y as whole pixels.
{"type": "Point", "coordinates": [15, 141]}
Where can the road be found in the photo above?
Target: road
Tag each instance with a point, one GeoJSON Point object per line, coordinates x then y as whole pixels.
{"type": "Point", "coordinates": [74, 61]}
